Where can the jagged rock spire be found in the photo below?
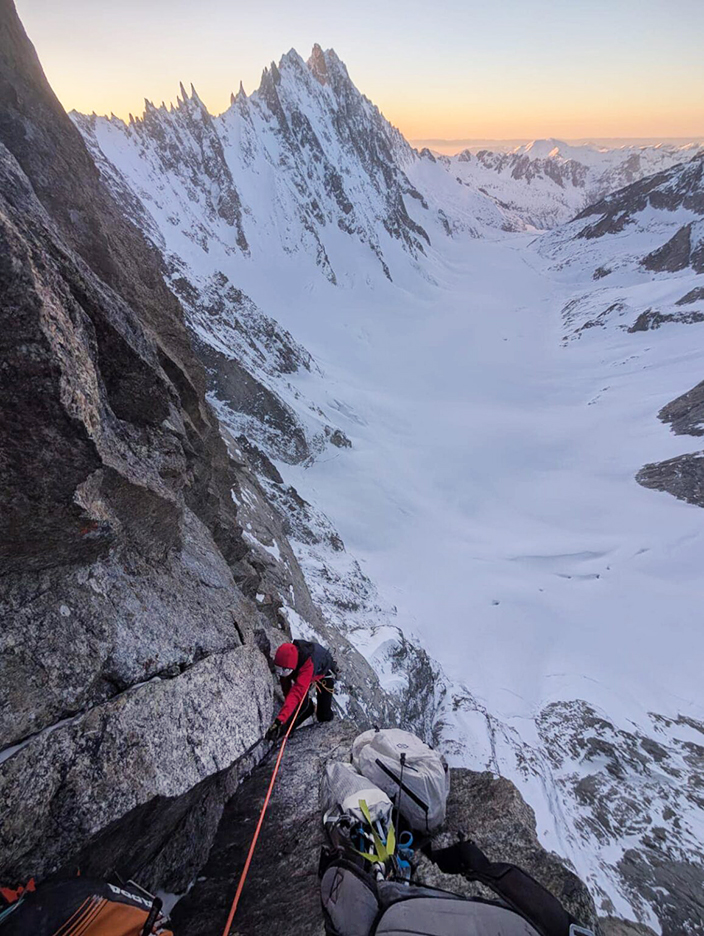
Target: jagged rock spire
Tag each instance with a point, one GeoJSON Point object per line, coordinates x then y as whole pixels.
{"type": "Point", "coordinates": [318, 65]}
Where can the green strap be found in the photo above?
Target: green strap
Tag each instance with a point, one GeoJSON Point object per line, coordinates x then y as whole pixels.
{"type": "Point", "coordinates": [384, 850]}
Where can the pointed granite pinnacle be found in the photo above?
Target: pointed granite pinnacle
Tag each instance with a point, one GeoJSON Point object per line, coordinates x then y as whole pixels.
{"type": "Point", "coordinates": [184, 96]}
{"type": "Point", "coordinates": [318, 65]}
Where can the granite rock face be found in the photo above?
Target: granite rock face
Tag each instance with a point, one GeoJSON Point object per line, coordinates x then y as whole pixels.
{"type": "Point", "coordinates": [155, 740]}
{"type": "Point", "coordinates": [128, 672]}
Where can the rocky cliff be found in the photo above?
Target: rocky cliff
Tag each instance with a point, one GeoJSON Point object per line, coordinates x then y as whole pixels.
{"type": "Point", "coordinates": [126, 588]}
{"type": "Point", "coordinates": [683, 475]}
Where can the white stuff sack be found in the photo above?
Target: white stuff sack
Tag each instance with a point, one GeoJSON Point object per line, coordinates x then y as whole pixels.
{"type": "Point", "coordinates": [342, 788]}
{"type": "Point", "coordinates": [422, 797]}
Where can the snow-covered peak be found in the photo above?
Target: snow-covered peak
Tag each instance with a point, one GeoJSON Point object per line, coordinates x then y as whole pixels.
{"type": "Point", "coordinates": [541, 149]}
{"type": "Point", "coordinates": [304, 165]}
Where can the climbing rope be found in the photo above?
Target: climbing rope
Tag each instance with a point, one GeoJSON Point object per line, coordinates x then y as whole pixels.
{"type": "Point", "coordinates": [245, 870]}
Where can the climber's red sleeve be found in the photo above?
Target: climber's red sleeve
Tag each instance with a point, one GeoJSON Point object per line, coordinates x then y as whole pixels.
{"type": "Point", "coordinates": [297, 691]}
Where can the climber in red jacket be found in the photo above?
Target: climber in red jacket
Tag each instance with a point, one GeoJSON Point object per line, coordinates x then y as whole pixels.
{"type": "Point", "coordinates": [300, 665]}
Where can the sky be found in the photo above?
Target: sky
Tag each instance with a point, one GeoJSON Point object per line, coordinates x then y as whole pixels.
{"type": "Point", "coordinates": [449, 69]}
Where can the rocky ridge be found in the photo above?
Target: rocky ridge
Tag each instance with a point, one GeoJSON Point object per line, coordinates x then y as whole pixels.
{"type": "Point", "coordinates": [642, 245]}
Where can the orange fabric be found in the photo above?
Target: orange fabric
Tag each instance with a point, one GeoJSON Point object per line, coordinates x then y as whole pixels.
{"type": "Point", "coordinates": [115, 919]}
{"type": "Point", "coordinates": [82, 925]}
{"type": "Point", "coordinates": [11, 896]}
{"type": "Point", "coordinates": [64, 928]}
{"type": "Point", "coordinates": [100, 917]}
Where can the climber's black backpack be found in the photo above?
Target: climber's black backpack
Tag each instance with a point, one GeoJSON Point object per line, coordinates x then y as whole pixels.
{"type": "Point", "coordinates": [355, 904]}
{"type": "Point", "coordinates": [80, 906]}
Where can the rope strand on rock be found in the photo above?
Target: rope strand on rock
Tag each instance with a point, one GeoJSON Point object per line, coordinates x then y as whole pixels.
{"type": "Point", "coordinates": [245, 870]}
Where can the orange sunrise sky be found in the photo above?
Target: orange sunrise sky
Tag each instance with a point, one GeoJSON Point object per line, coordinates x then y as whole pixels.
{"type": "Point", "coordinates": [444, 70]}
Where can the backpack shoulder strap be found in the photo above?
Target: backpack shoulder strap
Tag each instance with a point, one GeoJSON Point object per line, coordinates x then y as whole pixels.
{"type": "Point", "coordinates": [517, 888]}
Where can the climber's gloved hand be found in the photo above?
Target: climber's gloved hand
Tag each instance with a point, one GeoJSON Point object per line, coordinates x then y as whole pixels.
{"type": "Point", "coordinates": [275, 731]}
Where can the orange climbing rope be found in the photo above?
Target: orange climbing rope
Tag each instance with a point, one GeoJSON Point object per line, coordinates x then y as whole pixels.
{"type": "Point", "coordinates": [243, 876]}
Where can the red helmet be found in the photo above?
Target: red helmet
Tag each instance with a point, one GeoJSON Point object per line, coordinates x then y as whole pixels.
{"type": "Point", "coordinates": [286, 656]}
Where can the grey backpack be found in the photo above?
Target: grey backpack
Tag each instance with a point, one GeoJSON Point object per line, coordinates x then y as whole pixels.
{"type": "Point", "coordinates": [356, 904]}
{"type": "Point", "coordinates": [412, 774]}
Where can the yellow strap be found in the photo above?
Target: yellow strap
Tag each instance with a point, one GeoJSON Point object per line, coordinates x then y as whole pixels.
{"type": "Point", "coordinates": [383, 849]}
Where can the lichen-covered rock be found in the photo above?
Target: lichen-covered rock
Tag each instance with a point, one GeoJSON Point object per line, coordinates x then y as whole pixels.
{"type": "Point", "coordinates": [157, 740]}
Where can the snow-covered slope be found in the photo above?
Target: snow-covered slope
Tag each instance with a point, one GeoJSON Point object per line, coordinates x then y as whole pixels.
{"type": "Point", "coordinates": [644, 246]}
{"type": "Point", "coordinates": [405, 355]}
{"type": "Point", "coordinates": [548, 182]}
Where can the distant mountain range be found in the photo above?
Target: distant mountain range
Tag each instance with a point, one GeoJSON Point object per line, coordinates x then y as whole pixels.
{"type": "Point", "coordinates": [474, 144]}
{"type": "Point", "coordinates": [548, 182]}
